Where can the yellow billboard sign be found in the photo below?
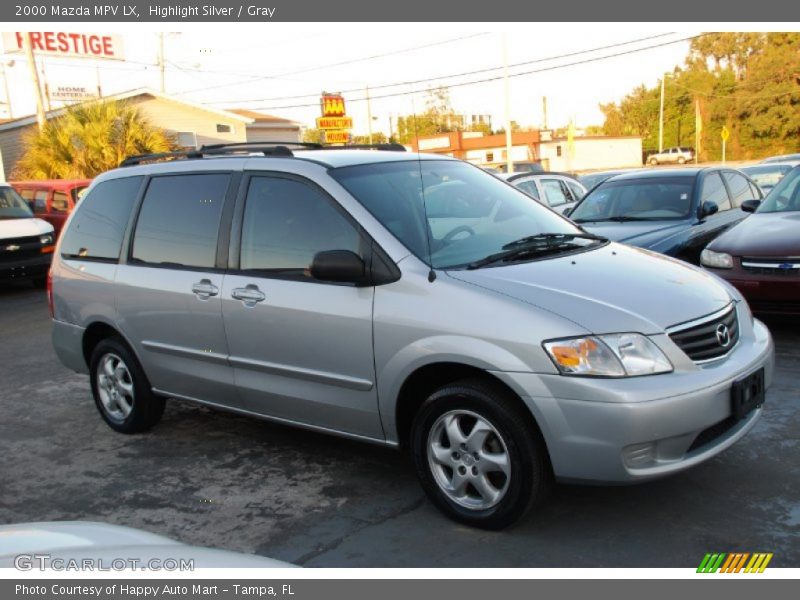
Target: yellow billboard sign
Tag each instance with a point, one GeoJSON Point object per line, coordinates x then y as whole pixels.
{"type": "Point", "coordinates": [334, 123]}
{"type": "Point", "coordinates": [337, 137]}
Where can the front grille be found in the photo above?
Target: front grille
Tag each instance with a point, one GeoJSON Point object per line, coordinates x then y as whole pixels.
{"type": "Point", "coordinates": [710, 434]}
{"type": "Point", "coordinates": [779, 267]}
{"type": "Point", "coordinates": [705, 340]}
{"type": "Point", "coordinates": [14, 249]}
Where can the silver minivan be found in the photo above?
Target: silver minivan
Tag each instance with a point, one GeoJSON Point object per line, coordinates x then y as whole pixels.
{"type": "Point", "coordinates": [407, 300]}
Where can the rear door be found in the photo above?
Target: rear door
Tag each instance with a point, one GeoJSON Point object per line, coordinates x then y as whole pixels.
{"type": "Point", "coordinates": [169, 288]}
{"type": "Point", "coordinates": [301, 349]}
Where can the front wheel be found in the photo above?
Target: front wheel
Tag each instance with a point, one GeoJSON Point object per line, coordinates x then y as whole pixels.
{"type": "Point", "coordinates": [654, 162]}
{"type": "Point", "coordinates": [120, 389]}
{"type": "Point", "coordinates": [477, 457]}
{"type": "Point", "coordinates": [681, 160]}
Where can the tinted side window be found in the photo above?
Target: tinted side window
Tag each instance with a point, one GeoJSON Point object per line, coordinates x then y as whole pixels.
{"type": "Point", "coordinates": [529, 187]}
{"type": "Point", "coordinates": [179, 220]}
{"type": "Point", "coordinates": [60, 202]}
{"type": "Point", "coordinates": [714, 190]}
{"type": "Point", "coordinates": [286, 222]}
{"type": "Point", "coordinates": [555, 192]}
{"type": "Point", "coordinates": [739, 188]}
{"type": "Point", "coordinates": [40, 202]}
{"type": "Point", "coordinates": [97, 229]}
{"type": "Point", "coordinates": [577, 191]}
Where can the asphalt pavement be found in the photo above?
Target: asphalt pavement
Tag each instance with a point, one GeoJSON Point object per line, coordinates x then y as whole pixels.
{"type": "Point", "coordinates": [215, 479]}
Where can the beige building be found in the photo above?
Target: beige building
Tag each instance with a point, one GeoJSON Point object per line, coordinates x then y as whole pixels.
{"type": "Point", "coordinates": [192, 124]}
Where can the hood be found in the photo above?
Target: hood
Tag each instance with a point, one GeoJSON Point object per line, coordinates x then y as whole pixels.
{"type": "Point", "coordinates": [762, 234]}
{"type": "Point", "coordinates": [77, 540]}
{"type": "Point", "coordinates": [637, 233]}
{"type": "Point", "coordinates": [14, 228]}
{"type": "Point", "coordinates": [611, 289]}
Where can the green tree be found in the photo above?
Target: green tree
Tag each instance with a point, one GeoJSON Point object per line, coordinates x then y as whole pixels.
{"type": "Point", "coordinates": [438, 117]}
{"type": "Point", "coordinates": [89, 139]}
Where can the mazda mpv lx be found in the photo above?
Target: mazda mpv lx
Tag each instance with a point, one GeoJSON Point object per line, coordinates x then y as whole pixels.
{"type": "Point", "coordinates": [408, 300]}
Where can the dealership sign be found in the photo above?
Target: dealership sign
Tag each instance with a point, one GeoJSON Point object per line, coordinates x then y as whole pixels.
{"type": "Point", "coordinates": [67, 93]}
{"type": "Point", "coordinates": [337, 137]}
{"type": "Point", "coordinates": [334, 122]}
{"type": "Point", "coordinates": [72, 45]}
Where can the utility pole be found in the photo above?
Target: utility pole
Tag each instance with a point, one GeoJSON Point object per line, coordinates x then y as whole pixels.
{"type": "Point", "coordinates": [544, 112]}
{"type": "Point", "coordinates": [391, 128]}
{"type": "Point", "coordinates": [161, 60]}
{"type": "Point", "coordinates": [46, 89]}
{"type": "Point", "coordinates": [28, 48]}
{"type": "Point", "coordinates": [369, 116]}
{"type": "Point", "coordinates": [509, 162]}
{"type": "Point", "coordinates": [698, 128]}
{"type": "Point", "coordinates": [5, 87]}
{"type": "Point", "coordinates": [661, 118]}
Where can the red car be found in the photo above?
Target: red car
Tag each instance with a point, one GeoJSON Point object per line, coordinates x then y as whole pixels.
{"type": "Point", "coordinates": [52, 199]}
{"type": "Point", "coordinates": [761, 255]}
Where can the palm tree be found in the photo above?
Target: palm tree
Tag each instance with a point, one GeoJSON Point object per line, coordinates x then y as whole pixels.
{"type": "Point", "coordinates": [89, 139]}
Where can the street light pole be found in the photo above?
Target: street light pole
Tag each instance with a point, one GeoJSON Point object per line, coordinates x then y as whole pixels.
{"type": "Point", "coordinates": [661, 118]}
{"type": "Point", "coordinates": [369, 116]}
{"type": "Point", "coordinates": [509, 161]}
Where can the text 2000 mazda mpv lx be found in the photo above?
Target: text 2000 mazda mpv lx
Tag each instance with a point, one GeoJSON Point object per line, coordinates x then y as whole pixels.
{"type": "Point", "coordinates": [407, 300]}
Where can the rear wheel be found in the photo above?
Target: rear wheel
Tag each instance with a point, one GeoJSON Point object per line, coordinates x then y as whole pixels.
{"type": "Point", "coordinates": [477, 457]}
{"type": "Point", "coordinates": [654, 161]}
{"type": "Point", "coordinates": [121, 391]}
{"type": "Point", "coordinates": [681, 160]}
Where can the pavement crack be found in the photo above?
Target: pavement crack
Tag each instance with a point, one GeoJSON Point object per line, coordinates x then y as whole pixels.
{"type": "Point", "coordinates": [336, 542]}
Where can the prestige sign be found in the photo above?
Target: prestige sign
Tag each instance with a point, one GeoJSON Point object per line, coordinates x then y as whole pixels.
{"type": "Point", "coordinates": [62, 43]}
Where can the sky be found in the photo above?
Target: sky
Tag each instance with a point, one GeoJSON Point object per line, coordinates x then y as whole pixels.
{"type": "Point", "coordinates": [258, 65]}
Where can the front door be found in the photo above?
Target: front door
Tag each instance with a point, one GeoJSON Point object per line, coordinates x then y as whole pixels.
{"type": "Point", "coordinates": [301, 349]}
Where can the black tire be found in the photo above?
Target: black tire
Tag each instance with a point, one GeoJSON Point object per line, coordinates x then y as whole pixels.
{"type": "Point", "coordinates": [681, 160]}
{"type": "Point", "coordinates": [144, 407]}
{"type": "Point", "coordinates": [653, 162]}
{"type": "Point", "coordinates": [530, 475]}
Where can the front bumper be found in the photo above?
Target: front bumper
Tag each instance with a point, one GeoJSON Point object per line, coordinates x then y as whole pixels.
{"type": "Point", "coordinates": [25, 268]}
{"type": "Point", "coordinates": [629, 430]}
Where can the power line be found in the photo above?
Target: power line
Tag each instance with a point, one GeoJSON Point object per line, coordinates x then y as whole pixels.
{"type": "Point", "coordinates": [337, 64]}
{"type": "Point", "coordinates": [488, 79]}
{"type": "Point", "coordinates": [454, 75]}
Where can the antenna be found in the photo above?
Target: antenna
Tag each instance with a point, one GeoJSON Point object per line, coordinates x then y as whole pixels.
{"type": "Point", "coordinates": [431, 273]}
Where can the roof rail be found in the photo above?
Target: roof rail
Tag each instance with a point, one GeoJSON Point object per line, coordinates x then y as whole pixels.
{"type": "Point", "coordinates": [265, 148]}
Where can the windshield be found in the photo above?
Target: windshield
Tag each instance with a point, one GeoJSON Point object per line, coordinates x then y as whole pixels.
{"type": "Point", "coordinates": [12, 206]}
{"type": "Point", "coordinates": [651, 199]}
{"type": "Point", "coordinates": [785, 196]}
{"type": "Point", "coordinates": [468, 214]}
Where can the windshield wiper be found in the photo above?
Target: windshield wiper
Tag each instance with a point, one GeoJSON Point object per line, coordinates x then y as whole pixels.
{"type": "Point", "coordinates": [536, 245]}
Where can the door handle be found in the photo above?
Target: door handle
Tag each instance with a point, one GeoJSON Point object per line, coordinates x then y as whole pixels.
{"type": "Point", "coordinates": [204, 289]}
{"type": "Point", "coordinates": [249, 294]}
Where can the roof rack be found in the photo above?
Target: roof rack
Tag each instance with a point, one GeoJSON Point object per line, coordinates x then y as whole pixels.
{"type": "Point", "coordinates": [266, 148]}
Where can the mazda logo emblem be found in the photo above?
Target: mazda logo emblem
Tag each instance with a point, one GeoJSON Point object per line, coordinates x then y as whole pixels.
{"type": "Point", "coordinates": [723, 335]}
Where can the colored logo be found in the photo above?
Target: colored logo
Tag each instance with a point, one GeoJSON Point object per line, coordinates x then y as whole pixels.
{"type": "Point", "coordinates": [332, 105]}
{"type": "Point", "coordinates": [737, 562]}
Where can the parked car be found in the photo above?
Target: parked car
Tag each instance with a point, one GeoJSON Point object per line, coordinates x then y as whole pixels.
{"type": "Point", "coordinates": [761, 255]}
{"type": "Point", "coordinates": [673, 211]}
{"type": "Point", "coordinates": [26, 243]}
{"type": "Point", "coordinates": [556, 190]}
{"type": "Point", "coordinates": [589, 180]}
{"type": "Point", "coordinates": [676, 155]}
{"type": "Point", "coordinates": [767, 175]}
{"type": "Point", "coordinates": [315, 288]}
{"type": "Point", "coordinates": [521, 166]}
{"type": "Point", "coordinates": [69, 545]}
{"type": "Point", "coordinates": [781, 158]}
{"type": "Point", "coordinates": [52, 199]}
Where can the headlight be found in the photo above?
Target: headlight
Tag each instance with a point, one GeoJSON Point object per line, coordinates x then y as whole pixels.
{"type": "Point", "coordinates": [615, 355]}
{"type": "Point", "coordinates": [716, 260]}
{"type": "Point", "coordinates": [46, 240]}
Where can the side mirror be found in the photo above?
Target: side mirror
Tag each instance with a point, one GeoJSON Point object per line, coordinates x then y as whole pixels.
{"type": "Point", "coordinates": [341, 266]}
{"type": "Point", "coordinates": [707, 209]}
{"type": "Point", "coordinates": [750, 205]}
{"type": "Point", "coordinates": [566, 212]}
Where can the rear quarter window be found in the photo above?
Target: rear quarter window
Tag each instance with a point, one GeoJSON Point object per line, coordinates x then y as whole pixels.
{"type": "Point", "coordinates": [99, 223]}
